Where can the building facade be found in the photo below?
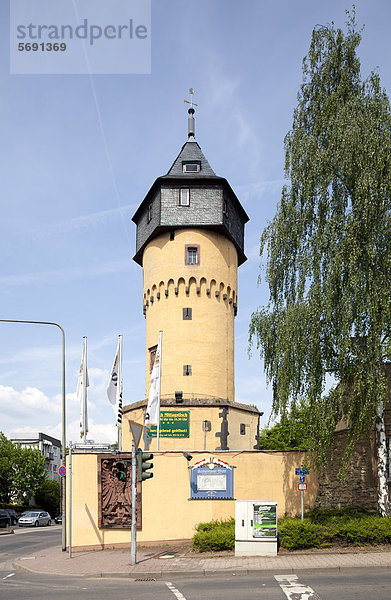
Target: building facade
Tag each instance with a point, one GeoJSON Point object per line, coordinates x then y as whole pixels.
{"type": "Point", "coordinates": [50, 449]}
{"type": "Point", "coordinates": [190, 242]}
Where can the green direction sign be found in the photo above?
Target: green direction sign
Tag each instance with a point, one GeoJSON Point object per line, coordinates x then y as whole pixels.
{"type": "Point", "coordinates": [265, 520]}
{"type": "Point", "coordinates": [172, 424]}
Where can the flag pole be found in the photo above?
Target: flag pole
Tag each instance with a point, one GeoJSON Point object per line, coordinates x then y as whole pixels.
{"type": "Point", "coordinates": [159, 388]}
{"type": "Point", "coordinates": [85, 389]}
{"type": "Point", "coordinates": [119, 392]}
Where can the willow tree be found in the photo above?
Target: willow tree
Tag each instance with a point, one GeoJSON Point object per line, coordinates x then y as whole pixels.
{"type": "Point", "coordinates": [328, 253]}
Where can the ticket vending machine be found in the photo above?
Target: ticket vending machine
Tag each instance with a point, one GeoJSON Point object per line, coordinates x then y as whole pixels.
{"type": "Point", "coordinates": [255, 528]}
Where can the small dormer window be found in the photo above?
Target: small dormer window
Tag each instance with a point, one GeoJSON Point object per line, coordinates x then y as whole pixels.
{"type": "Point", "coordinates": [149, 213]}
{"type": "Point", "coordinates": [184, 197]}
{"type": "Point", "coordinates": [191, 167]}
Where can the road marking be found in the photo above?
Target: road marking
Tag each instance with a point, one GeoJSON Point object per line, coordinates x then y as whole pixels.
{"type": "Point", "coordinates": [294, 590]}
{"type": "Point", "coordinates": [10, 575]}
{"type": "Point", "coordinates": [174, 591]}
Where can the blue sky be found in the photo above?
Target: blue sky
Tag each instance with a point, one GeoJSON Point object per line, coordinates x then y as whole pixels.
{"type": "Point", "coordinates": [79, 153]}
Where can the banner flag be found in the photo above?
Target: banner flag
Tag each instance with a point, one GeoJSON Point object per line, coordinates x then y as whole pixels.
{"type": "Point", "coordinates": [81, 392]}
{"type": "Point", "coordinates": [114, 388]}
{"type": "Point", "coordinates": [153, 407]}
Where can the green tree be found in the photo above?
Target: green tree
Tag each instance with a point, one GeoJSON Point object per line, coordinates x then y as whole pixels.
{"type": "Point", "coordinates": [288, 433]}
{"type": "Point", "coordinates": [48, 496]}
{"type": "Point", "coordinates": [7, 460]}
{"type": "Point", "coordinates": [329, 252]}
{"type": "Point", "coordinates": [28, 473]}
{"type": "Point", "coordinates": [22, 471]}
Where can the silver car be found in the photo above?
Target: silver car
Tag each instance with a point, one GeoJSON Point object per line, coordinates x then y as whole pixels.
{"type": "Point", "coordinates": [34, 518]}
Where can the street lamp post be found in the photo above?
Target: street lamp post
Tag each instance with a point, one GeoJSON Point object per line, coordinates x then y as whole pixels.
{"type": "Point", "coordinates": [63, 435]}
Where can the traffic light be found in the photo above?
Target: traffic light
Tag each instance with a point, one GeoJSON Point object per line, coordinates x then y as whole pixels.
{"type": "Point", "coordinates": [121, 470]}
{"type": "Point", "coordinates": [143, 465]}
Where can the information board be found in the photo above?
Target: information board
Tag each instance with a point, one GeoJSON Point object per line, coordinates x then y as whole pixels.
{"type": "Point", "coordinates": [172, 424]}
{"type": "Point", "coordinates": [211, 484]}
{"type": "Point", "coordinates": [265, 520]}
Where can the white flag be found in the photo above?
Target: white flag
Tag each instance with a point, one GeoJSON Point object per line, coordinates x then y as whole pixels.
{"type": "Point", "coordinates": [114, 389]}
{"type": "Point", "coordinates": [81, 392]}
{"type": "Point", "coordinates": [152, 413]}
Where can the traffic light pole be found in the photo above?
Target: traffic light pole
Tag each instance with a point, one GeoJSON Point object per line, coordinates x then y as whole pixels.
{"type": "Point", "coordinates": [134, 515]}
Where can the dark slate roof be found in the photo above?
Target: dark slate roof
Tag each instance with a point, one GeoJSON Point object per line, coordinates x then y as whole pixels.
{"type": "Point", "coordinates": [190, 151]}
{"type": "Point", "coordinates": [186, 402]}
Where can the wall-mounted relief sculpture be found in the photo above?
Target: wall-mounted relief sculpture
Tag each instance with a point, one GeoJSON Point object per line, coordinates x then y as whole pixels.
{"type": "Point", "coordinates": [115, 492]}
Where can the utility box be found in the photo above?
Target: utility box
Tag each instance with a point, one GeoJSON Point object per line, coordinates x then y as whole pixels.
{"type": "Point", "coordinates": [255, 528]}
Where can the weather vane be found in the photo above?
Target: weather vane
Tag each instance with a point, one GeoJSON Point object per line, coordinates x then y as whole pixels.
{"type": "Point", "coordinates": [191, 99]}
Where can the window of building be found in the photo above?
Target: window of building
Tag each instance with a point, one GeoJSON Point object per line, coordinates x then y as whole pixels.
{"type": "Point", "coordinates": [192, 255]}
{"type": "Point", "coordinates": [242, 429]}
{"type": "Point", "coordinates": [187, 314]}
{"type": "Point", "coordinates": [172, 235]}
{"type": "Point", "coordinates": [184, 197]}
{"type": "Point", "coordinates": [152, 354]}
{"type": "Point", "coordinates": [149, 215]}
{"type": "Point", "coordinates": [186, 370]}
{"type": "Point", "coordinates": [192, 167]}
{"type": "Point", "coordinates": [225, 208]}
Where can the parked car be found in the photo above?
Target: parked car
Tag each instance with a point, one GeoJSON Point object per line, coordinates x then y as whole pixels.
{"type": "Point", "coordinates": [12, 514]}
{"type": "Point", "coordinates": [58, 519]}
{"type": "Point", "coordinates": [34, 518]}
{"type": "Point", "coordinates": [5, 519]}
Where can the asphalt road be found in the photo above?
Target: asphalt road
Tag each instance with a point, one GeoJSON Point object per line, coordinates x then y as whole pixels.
{"type": "Point", "coordinates": [352, 584]}
{"type": "Point", "coordinates": [27, 540]}
{"type": "Point", "coordinates": [358, 584]}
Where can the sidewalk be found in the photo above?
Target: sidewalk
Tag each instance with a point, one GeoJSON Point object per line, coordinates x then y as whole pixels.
{"type": "Point", "coordinates": [116, 563]}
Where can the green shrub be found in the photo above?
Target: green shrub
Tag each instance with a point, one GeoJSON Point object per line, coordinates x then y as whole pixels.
{"type": "Point", "coordinates": [294, 534]}
{"type": "Point", "coordinates": [372, 530]}
{"type": "Point", "coordinates": [214, 536]}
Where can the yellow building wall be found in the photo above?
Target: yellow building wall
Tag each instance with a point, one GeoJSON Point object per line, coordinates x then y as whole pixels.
{"type": "Point", "coordinates": [207, 341]}
{"type": "Point", "coordinates": [196, 439]}
{"type": "Point", "coordinates": [167, 512]}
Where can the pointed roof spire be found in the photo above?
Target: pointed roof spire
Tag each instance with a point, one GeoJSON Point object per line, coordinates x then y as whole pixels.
{"type": "Point", "coordinates": [191, 120]}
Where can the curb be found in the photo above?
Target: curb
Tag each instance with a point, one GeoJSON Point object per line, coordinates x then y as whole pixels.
{"type": "Point", "coordinates": [6, 531]}
{"type": "Point", "coordinates": [175, 574]}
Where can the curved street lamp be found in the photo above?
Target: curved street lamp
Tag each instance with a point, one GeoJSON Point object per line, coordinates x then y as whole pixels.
{"type": "Point", "coordinates": [63, 436]}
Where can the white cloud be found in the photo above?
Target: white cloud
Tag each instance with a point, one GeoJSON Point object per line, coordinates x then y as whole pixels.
{"type": "Point", "coordinates": [88, 221]}
{"type": "Point", "coordinates": [69, 274]}
{"type": "Point", "coordinates": [27, 402]}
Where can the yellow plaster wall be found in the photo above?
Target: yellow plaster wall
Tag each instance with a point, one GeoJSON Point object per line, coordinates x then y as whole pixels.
{"type": "Point", "coordinates": [167, 512]}
{"type": "Point", "coordinates": [207, 341]}
{"type": "Point", "coordinates": [198, 414]}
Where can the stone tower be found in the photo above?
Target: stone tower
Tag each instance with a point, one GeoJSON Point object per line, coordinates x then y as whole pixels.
{"type": "Point", "coordinates": [190, 242]}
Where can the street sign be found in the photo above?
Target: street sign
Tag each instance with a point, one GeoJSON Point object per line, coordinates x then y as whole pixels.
{"type": "Point", "coordinates": [136, 430]}
{"type": "Point", "coordinates": [301, 471]}
{"type": "Point", "coordinates": [302, 487]}
{"type": "Point", "coordinates": [62, 471]}
{"type": "Point", "coordinates": [302, 478]}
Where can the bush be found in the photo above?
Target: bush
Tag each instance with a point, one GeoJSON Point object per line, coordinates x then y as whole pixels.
{"type": "Point", "coordinates": [215, 536]}
{"type": "Point", "coordinates": [294, 534]}
{"type": "Point", "coordinates": [320, 528]}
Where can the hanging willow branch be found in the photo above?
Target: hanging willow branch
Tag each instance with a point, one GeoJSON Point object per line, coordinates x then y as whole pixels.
{"type": "Point", "coordinates": [329, 248]}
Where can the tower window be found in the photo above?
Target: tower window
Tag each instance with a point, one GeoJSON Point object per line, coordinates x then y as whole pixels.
{"type": "Point", "coordinates": [242, 429]}
{"type": "Point", "coordinates": [191, 167]}
{"type": "Point", "coordinates": [225, 208]}
{"type": "Point", "coordinates": [186, 369]}
{"type": "Point", "coordinates": [172, 235]}
{"type": "Point", "coordinates": [152, 355]}
{"type": "Point", "coordinates": [192, 255]}
{"type": "Point", "coordinates": [184, 197]}
{"type": "Point", "coordinates": [187, 314]}
{"type": "Point", "coordinates": [149, 214]}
